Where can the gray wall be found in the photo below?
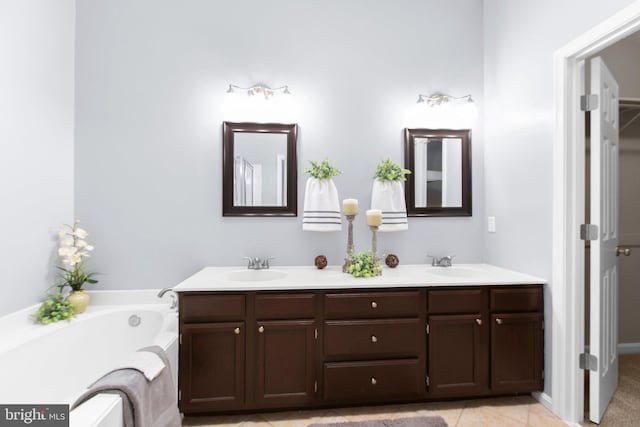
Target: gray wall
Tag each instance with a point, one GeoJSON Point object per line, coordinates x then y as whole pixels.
{"type": "Point", "coordinates": [36, 143]}
{"type": "Point", "coordinates": [151, 82]}
{"type": "Point", "coordinates": [520, 37]}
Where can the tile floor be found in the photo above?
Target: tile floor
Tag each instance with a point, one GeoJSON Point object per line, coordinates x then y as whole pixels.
{"type": "Point", "coordinates": [521, 411]}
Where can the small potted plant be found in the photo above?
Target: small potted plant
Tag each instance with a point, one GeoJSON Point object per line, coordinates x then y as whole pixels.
{"type": "Point", "coordinates": [55, 309]}
{"type": "Point", "coordinates": [388, 195]}
{"type": "Point", "coordinates": [321, 205]}
{"type": "Point", "coordinates": [363, 265]}
{"type": "Point", "coordinates": [73, 250]}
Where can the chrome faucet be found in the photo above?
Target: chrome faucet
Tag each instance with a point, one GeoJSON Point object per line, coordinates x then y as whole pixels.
{"type": "Point", "coordinates": [174, 298]}
{"type": "Point", "coordinates": [445, 261]}
{"type": "Point", "coordinates": [257, 263]}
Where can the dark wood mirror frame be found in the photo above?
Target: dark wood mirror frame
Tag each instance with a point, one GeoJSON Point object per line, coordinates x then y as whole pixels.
{"type": "Point", "coordinates": [409, 162]}
{"type": "Point", "coordinates": [228, 132]}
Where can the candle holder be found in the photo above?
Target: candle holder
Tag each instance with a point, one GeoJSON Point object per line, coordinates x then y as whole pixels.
{"type": "Point", "coordinates": [348, 260]}
{"type": "Point", "coordinates": [374, 249]}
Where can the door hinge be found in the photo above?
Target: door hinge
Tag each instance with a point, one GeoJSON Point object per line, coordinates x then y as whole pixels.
{"type": "Point", "coordinates": [180, 339]}
{"type": "Point", "coordinates": [179, 394]}
{"type": "Point", "coordinates": [588, 232]}
{"type": "Point", "coordinates": [589, 102]}
{"type": "Point", "coordinates": [315, 386]}
{"type": "Point", "coordinates": [428, 329]}
{"type": "Point", "coordinates": [426, 379]}
{"type": "Point", "coordinates": [315, 333]}
{"type": "Point", "coordinates": [588, 362]}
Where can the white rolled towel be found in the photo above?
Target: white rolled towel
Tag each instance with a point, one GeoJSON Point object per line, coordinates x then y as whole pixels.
{"type": "Point", "coordinates": [321, 206]}
{"type": "Point", "coordinates": [388, 196]}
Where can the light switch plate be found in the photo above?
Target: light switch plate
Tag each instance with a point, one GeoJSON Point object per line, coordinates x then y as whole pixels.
{"type": "Point", "coordinates": [491, 224]}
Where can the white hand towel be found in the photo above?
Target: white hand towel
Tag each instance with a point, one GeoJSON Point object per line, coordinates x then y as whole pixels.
{"type": "Point", "coordinates": [321, 206]}
{"type": "Point", "coordinates": [146, 362]}
{"type": "Point", "coordinates": [388, 196]}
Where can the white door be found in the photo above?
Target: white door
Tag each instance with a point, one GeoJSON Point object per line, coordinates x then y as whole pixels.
{"type": "Point", "coordinates": [603, 341]}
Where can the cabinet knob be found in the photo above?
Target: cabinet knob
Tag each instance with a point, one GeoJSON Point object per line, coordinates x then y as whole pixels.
{"type": "Point", "coordinates": [261, 329]}
{"type": "Point", "coordinates": [374, 338]}
{"type": "Point", "coordinates": [373, 381]}
{"type": "Point", "coordinates": [374, 304]}
{"type": "Point", "coordinates": [479, 321]}
{"type": "Point", "coordinates": [499, 321]}
{"type": "Point", "coordinates": [236, 331]}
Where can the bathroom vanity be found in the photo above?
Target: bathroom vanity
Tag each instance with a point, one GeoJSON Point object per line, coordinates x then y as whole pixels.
{"type": "Point", "coordinates": [300, 338]}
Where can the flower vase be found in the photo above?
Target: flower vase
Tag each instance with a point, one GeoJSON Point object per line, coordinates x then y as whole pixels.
{"type": "Point", "coordinates": [79, 300]}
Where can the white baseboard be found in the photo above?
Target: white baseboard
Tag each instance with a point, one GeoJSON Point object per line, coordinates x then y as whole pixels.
{"type": "Point", "coordinates": [629, 348]}
{"type": "Point", "coordinates": [544, 399]}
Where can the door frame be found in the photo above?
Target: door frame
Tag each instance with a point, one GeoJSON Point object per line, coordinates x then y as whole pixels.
{"type": "Point", "coordinates": [568, 207]}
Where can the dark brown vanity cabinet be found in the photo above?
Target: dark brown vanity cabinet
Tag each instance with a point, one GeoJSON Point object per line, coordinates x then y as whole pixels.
{"type": "Point", "coordinates": [212, 353]}
{"type": "Point", "coordinates": [458, 342]}
{"type": "Point", "coordinates": [247, 351]}
{"type": "Point", "coordinates": [285, 350]}
{"type": "Point", "coordinates": [300, 349]}
{"type": "Point", "coordinates": [374, 346]}
{"type": "Point", "coordinates": [517, 337]}
{"type": "Point", "coordinates": [486, 340]}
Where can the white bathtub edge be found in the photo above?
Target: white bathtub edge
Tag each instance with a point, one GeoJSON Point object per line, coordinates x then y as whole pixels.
{"type": "Point", "coordinates": [103, 410]}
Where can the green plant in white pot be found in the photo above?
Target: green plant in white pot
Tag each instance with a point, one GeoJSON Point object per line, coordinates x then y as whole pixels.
{"type": "Point", "coordinates": [321, 205]}
{"type": "Point", "coordinates": [388, 195]}
{"type": "Point", "coordinates": [73, 249]}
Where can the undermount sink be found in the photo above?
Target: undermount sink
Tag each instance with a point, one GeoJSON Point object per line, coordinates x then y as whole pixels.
{"type": "Point", "coordinates": [456, 272]}
{"type": "Point", "coordinates": [255, 275]}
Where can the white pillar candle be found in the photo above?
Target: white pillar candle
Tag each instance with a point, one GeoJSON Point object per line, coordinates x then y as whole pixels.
{"type": "Point", "coordinates": [349, 206]}
{"type": "Point", "coordinates": [374, 217]}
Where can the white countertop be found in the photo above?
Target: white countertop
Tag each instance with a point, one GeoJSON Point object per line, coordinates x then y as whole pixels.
{"type": "Point", "coordinates": [306, 277]}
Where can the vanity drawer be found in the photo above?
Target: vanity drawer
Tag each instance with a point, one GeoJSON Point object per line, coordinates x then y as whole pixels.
{"type": "Point", "coordinates": [456, 301]}
{"type": "Point", "coordinates": [207, 308]}
{"type": "Point", "coordinates": [372, 304]}
{"type": "Point", "coordinates": [373, 339]}
{"type": "Point", "coordinates": [511, 300]}
{"type": "Point", "coordinates": [374, 381]}
{"type": "Point", "coordinates": [285, 306]}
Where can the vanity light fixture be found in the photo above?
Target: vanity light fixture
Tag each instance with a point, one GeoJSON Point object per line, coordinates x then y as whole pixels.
{"type": "Point", "coordinates": [259, 89]}
{"type": "Point", "coordinates": [438, 99]}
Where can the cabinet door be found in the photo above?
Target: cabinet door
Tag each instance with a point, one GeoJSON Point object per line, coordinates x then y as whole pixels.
{"type": "Point", "coordinates": [458, 355]}
{"type": "Point", "coordinates": [285, 374]}
{"type": "Point", "coordinates": [212, 369]}
{"type": "Point", "coordinates": [516, 352]}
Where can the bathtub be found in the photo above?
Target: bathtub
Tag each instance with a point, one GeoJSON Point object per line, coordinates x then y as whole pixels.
{"type": "Point", "coordinates": [55, 363]}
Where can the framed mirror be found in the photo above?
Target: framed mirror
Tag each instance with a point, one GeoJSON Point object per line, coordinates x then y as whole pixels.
{"type": "Point", "coordinates": [259, 171]}
{"type": "Point", "coordinates": [440, 162]}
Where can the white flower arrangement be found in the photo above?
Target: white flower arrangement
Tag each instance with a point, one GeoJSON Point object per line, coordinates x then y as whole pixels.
{"type": "Point", "coordinates": [73, 249]}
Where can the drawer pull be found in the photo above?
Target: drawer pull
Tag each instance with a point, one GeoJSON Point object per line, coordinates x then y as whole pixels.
{"type": "Point", "coordinates": [373, 381]}
{"type": "Point", "coordinates": [479, 321]}
{"type": "Point", "coordinates": [374, 304]}
{"type": "Point", "coordinates": [374, 338]}
{"type": "Point", "coordinates": [261, 329]}
{"type": "Point", "coordinates": [236, 331]}
{"type": "Point", "coordinates": [499, 321]}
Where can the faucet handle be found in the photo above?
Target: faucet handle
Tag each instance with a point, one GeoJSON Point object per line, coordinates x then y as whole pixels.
{"type": "Point", "coordinates": [446, 261]}
{"type": "Point", "coordinates": [434, 260]}
{"type": "Point", "coordinates": [250, 260]}
{"type": "Point", "coordinates": [265, 262]}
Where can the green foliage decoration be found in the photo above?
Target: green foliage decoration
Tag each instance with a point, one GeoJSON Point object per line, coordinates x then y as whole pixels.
{"type": "Point", "coordinates": [362, 265]}
{"type": "Point", "coordinates": [54, 309]}
{"type": "Point", "coordinates": [386, 170]}
{"type": "Point", "coordinates": [322, 170]}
